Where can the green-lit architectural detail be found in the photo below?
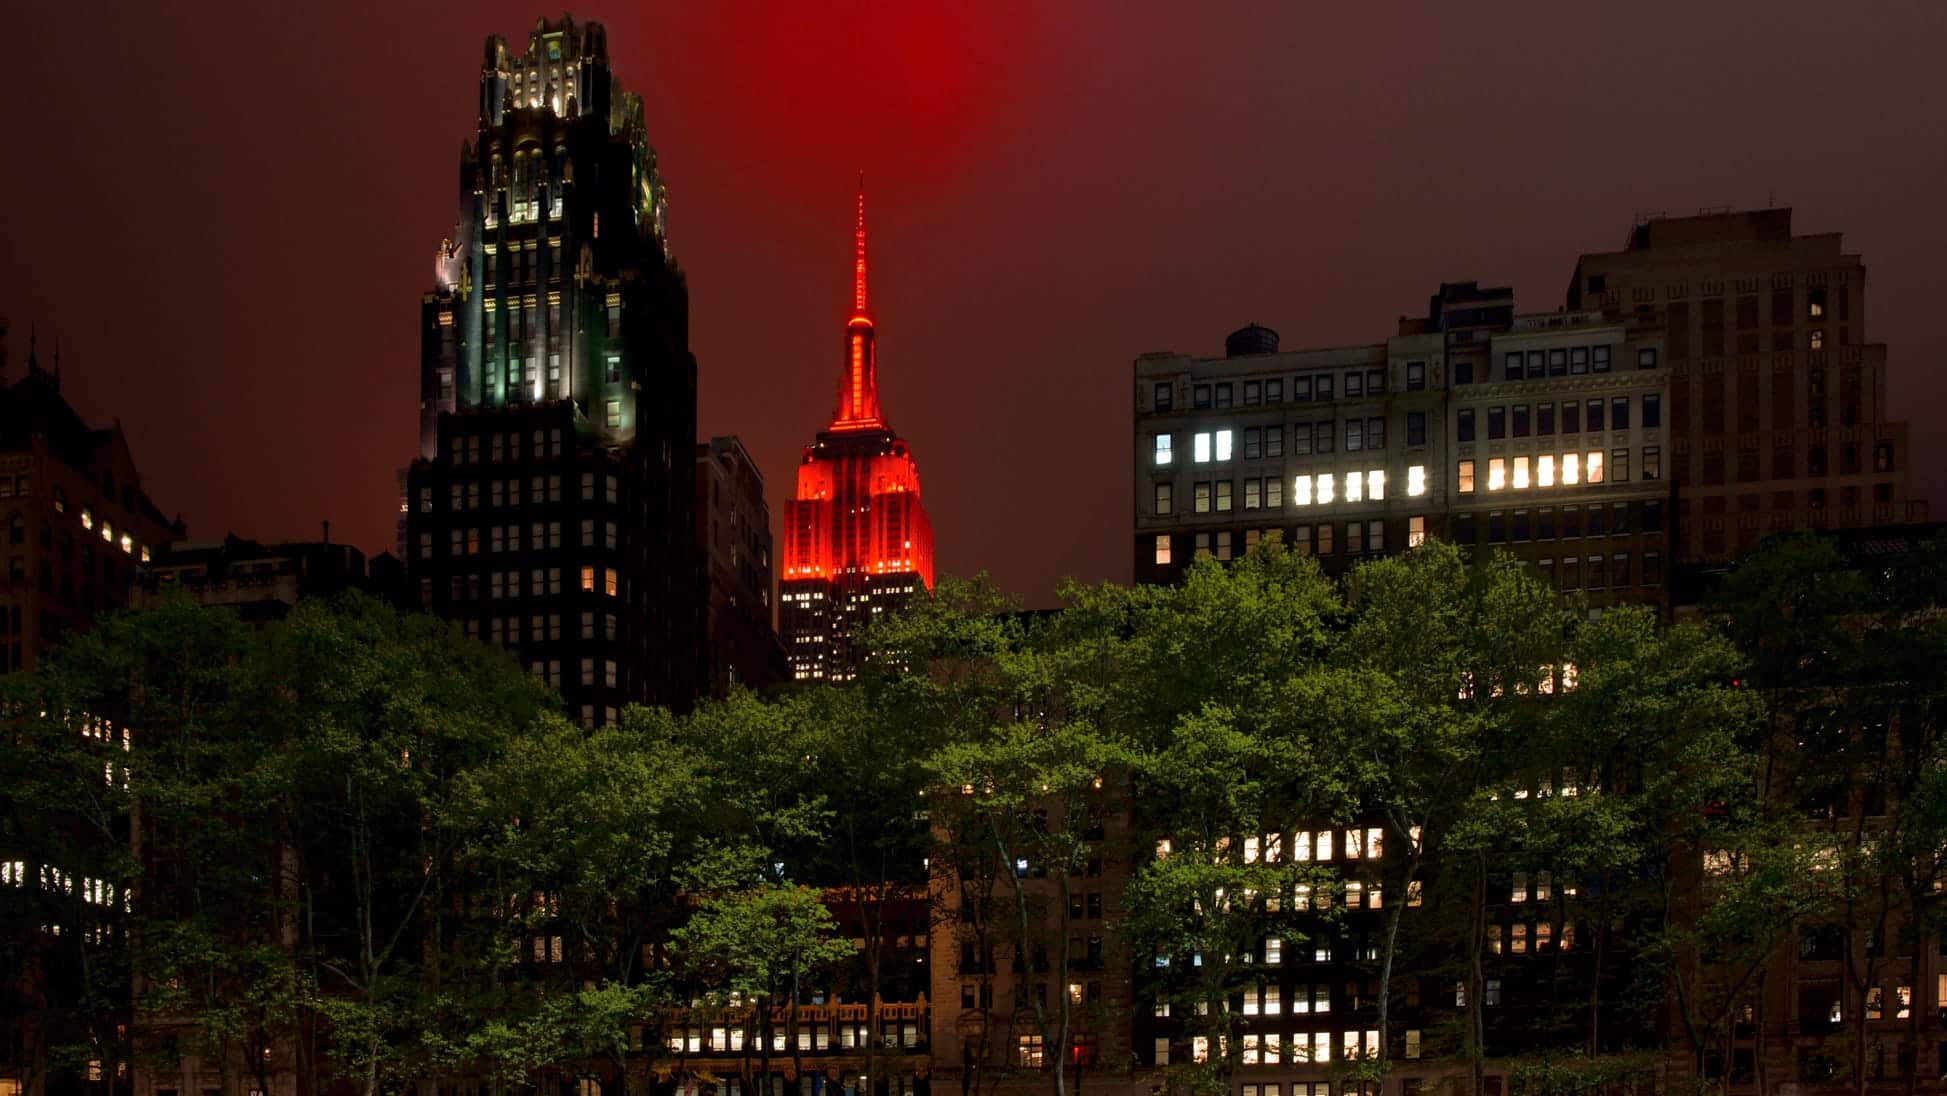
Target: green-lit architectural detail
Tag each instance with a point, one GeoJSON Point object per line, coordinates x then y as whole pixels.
{"type": "Point", "coordinates": [551, 508]}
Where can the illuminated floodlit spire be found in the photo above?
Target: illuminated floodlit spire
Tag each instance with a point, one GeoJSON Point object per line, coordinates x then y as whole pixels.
{"type": "Point", "coordinates": [858, 264]}
{"type": "Point", "coordinates": [858, 385]}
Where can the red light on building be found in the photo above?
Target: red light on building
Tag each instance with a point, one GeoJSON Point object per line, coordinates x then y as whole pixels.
{"type": "Point", "coordinates": [857, 540]}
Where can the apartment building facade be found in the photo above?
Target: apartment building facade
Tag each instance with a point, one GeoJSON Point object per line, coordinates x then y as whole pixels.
{"type": "Point", "coordinates": [1335, 450]}
{"type": "Point", "coordinates": [1558, 454]}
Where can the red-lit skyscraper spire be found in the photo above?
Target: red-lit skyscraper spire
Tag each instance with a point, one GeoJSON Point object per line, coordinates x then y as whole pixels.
{"type": "Point", "coordinates": [857, 540]}
{"type": "Point", "coordinates": [858, 385]}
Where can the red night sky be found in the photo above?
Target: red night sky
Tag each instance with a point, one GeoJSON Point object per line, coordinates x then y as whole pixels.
{"type": "Point", "coordinates": [228, 212]}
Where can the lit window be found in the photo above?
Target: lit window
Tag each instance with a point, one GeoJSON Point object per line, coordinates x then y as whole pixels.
{"type": "Point", "coordinates": [1466, 477]}
{"type": "Point", "coordinates": [614, 413]}
{"type": "Point", "coordinates": [1376, 484]}
{"type": "Point", "coordinates": [1545, 470]}
{"type": "Point", "coordinates": [1520, 473]}
{"type": "Point", "coordinates": [1354, 487]}
{"type": "Point", "coordinates": [1301, 491]}
{"type": "Point", "coordinates": [1416, 481]}
{"type": "Point", "coordinates": [1571, 469]}
{"type": "Point", "coordinates": [1162, 549]}
{"type": "Point", "coordinates": [1324, 489]}
{"type": "Point", "coordinates": [1595, 466]}
{"type": "Point", "coordinates": [1163, 451]}
{"type": "Point", "coordinates": [1223, 445]}
{"type": "Point", "coordinates": [1200, 448]}
{"type": "Point", "coordinates": [1497, 473]}
{"type": "Point", "coordinates": [87, 517]}
{"type": "Point", "coordinates": [1415, 532]}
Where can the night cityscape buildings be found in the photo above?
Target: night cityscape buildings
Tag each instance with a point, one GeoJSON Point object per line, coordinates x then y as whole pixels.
{"type": "Point", "coordinates": [1709, 383]}
{"type": "Point", "coordinates": [733, 532]}
{"type": "Point", "coordinates": [552, 506]}
{"type": "Point", "coordinates": [857, 540]}
{"type": "Point", "coordinates": [79, 524]}
{"type": "Point", "coordinates": [1592, 441]}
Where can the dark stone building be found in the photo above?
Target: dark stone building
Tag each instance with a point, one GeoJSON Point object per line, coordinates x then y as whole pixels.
{"type": "Point", "coordinates": [733, 532]}
{"type": "Point", "coordinates": [551, 509]}
{"type": "Point", "coordinates": [262, 582]}
{"type": "Point", "coordinates": [78, 523]}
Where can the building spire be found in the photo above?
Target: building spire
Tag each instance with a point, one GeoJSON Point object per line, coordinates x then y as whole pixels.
{"type": "Point", "coordinates": [858, 385]}
{"type": "Point", "coordinates": [859, 310]}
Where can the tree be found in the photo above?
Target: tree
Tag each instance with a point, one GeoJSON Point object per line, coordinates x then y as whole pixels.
{"type": "Point", "coordinates": [754, 946]}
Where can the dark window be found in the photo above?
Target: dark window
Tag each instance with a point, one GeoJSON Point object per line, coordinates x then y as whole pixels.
{"type": "Point", "coordinates": [1165, 395]}
{"type": "Point", "coordinates": [1520, 420]}
{"type": "Point", "coordinates": [1883, 457]}
{"type": "Point", "coordinates": [1465, 427]}
{"type": "Point", "coordinates": [1571, 417]}
{"type": "Point", "coordinates": [1415, 376]}
{"type": "Point", "coordinates": [1497, 423]}
{"type": "Point", "coordinates": [1619, 413]}
{"type": "Point", "coordinates": [1652, 410]}
{"type": "Point", "coordinates": [1595, 415]}
{"type": "Point", "coordinates": [1545, 524]}
{"type": "Point", "coordinates": [1223, 394]}
{"type": "Point", "coordinates": [1416, 429]}
{"type": "Point", "coordinates": [1463, 372]}
{"type": "Point", "coordinates": [1323, 390]}
{"type": "Point", "coordinates": [1535, 366]}
{"type": "Point", "coordinates": [1200, 396]}
{"type": "Point", "coordinates": [1544, 419]}
{"type": "Point", "coordinates": [1514, 366]}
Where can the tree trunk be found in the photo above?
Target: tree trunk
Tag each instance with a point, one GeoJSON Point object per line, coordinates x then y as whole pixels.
{"type": "Point", "coordinates": [1386, 964]}
{"type": "Point", "coordinates": [1477, 990]}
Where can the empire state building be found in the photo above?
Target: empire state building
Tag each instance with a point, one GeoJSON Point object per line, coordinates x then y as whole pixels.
{"type": "Point", "coordinates": [857, 541]}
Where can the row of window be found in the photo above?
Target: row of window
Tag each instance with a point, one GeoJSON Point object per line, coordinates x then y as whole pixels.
{"type": "Point", "coordinates": [505, 446]}
{"type": "Point", "coordinates": [1361, 843]}
{"type": "Point", "coordinates": [1358, 537]}
{"type": "Point", "coordinates": [498, 493]}
{"type": "Point", "coordinates": [99, 892]}
{"type": "Point", "coordinates": [1572, 420]}
{"type": "Point", "coordinates": [508, 538]}
{"type": "Point", "coordinates": [1304, 388]}
{"type": "Point", "coordinates": [1551, 469]}
{"type": "Point", "coordinates": [1277, 1048]}
{"type": "Point", "coordinates": [811, 1036]}
{"type": "Point", "coordinates": [1563, 361]}
{"type": "Point", "coordinates": [1601, 521]}
{"type": "Point", "coordinates": [1521, 938]}
{"type": "Point", "coordinates": [540, 582]}
{"type": "Point", "coordinates": [1307, 438]}
{"type": "Point", "coordinates": [1267, 492]}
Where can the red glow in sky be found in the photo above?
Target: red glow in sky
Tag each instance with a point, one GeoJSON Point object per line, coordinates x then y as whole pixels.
{"type": "Point", "coordinates": [229, 216]}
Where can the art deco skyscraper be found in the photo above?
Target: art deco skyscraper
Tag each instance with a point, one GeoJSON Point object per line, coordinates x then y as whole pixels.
{"type": "Point", "coordinates": [551, 509]}
{"type": "Point", "coordinates": [857, 540]}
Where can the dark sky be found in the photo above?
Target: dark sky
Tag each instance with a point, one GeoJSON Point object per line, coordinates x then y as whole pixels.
{"type": "Point", "coordinates": [228, 212]}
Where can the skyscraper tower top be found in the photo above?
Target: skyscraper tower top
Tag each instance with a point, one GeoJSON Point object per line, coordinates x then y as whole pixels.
{"type": "Point", "coordinates": [857, 539]}
{"type": "Point", "coordinates": [858, 385]}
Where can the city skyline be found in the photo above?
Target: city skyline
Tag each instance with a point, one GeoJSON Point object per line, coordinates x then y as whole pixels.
{"type": "Point", "coordinates": [1059, 194]}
